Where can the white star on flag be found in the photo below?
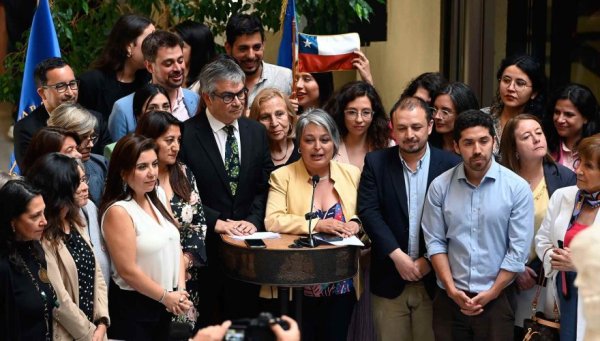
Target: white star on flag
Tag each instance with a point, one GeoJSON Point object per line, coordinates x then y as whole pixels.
{"type": "Point", "coordinates": [307, 43]}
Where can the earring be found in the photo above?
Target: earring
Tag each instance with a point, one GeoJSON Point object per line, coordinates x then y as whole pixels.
{"type": "Point", "coordinates": [517, 155]}
{"type": "Point", "coordinates": [13, 228]}
{"type": "Point", "coordinates": [124, 186]}
{"type": "Point", "coordinates": [299, 151]}
{"type": "Point", "coordinates": [128, 54]}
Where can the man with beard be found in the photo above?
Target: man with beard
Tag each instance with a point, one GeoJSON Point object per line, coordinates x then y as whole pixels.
{"type": "Point", "coordinates": [56, 85]}
{"type": "Point", "coordinates": [163, 57]}
{"type": "Point", "coordinates": [246, 44]}
{"type": "Point", "coordinates": [478, 226]}
{"type": "Point", "coordinates": [229, 154]}
{"type": "Point", "coordinates": [390, 201]}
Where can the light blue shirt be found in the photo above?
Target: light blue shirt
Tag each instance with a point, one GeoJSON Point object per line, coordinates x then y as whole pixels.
{"type": "Point", "coordinates": [481, 228]}
{"type": "Point", "coordinates": [415, 183]}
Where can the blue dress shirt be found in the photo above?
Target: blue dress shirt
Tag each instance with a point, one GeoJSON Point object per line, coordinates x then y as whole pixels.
{"type": "Point", "coordinates": [481, 228]}
{"type": "Point", "coordinates": [416, 186]}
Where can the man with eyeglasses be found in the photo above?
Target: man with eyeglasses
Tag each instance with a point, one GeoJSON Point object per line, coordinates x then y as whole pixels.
{"type": "Point", "coordinates": [391, 196]}
{"type": "Point", "coordinates": [163, 57]}
{"type": "Point", "coordinates": [229, 155]}
{"type": "Point", "coordinates": [245, 43]}
{"type": "Point", "coordinates": [56, 85]}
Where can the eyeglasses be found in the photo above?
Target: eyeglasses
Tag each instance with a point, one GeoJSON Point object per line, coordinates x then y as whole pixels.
{"type": "Point", "coordinates": [227, 97]}
{"type": "Point", "coordinates": [518, 83]}
{"type": "Point", "coordinates": [85, 179]}
{"type": "Point", "coordinates": [86, 139]}
{"type": "Point", "coordinates": [62, 86]}
{"type": "Point", "coordinates": [353, 113]}
{"type": "Point", "coordinates": [443, 112]}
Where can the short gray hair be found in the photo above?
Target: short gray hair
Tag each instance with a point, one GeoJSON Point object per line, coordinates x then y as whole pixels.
{"type": "Point", "coordinates": [322, 119]}
{"type": "Point", "coordinates": [73, 117]}
{"type": "Point", "coordinates": [222, 69]}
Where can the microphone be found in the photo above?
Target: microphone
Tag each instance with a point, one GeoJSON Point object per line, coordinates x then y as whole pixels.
{"type": "Point", "coordinates": [309, 242]}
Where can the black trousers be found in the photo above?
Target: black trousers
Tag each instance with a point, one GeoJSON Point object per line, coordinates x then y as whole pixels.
{"type": "Point", "coordinates": [495, 323]}
{"type": "Point", "coordinates": [135, 316]}
{"type": "Point", "coordinates": [327, 318]}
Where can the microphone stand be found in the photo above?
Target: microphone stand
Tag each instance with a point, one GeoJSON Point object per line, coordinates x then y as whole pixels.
{"type": "Point", "coordinates": [309, 241]}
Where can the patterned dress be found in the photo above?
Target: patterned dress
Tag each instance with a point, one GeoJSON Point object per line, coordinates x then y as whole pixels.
{"type": "Point", "coordinates": [337, 288]}
{"type": "Point", "coordinates": [190, 216]}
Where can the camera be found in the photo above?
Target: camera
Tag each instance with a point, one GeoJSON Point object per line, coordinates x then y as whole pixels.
{"type": "Point", "coordinates": [258, 328]}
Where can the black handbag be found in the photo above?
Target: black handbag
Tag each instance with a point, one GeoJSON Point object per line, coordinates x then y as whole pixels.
{"type": "Point", "coordinates": [538, 327]}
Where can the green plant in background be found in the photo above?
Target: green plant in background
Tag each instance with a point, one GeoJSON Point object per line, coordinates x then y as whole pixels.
{"type": "Point", "coordinates": [82, 25]}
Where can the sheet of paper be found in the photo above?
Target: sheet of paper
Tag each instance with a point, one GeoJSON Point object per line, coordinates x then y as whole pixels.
{"type": "Point", "coordinates": [349, 241]}
{"type": "Point", "coordinates": [258, 235]}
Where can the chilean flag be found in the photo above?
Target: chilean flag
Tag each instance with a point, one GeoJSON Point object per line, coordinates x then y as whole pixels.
{"type": "Point", "coordinates": [327, 53]}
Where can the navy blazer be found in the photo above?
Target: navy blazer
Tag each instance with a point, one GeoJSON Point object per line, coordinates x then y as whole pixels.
{"type": "Point", "coordinates": [383, 210]}
{"type": "Point", "coordinates": [558, 176]}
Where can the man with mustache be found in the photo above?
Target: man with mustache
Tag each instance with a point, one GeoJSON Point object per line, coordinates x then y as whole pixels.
{"type": "Point", "coordinates": [56, 85]}
{"type": "Point", "coordinates": [390, 201]}
{"type": "Point", "coordinates": [477, 223]}
{"type": "Point", "coordinates": [246, 44]}
{"type": "Point", "coordinates": [163, 57]}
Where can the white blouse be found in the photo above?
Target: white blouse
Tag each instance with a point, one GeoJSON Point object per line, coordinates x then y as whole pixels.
{"type": "Point", "coordinates": [158, 248]}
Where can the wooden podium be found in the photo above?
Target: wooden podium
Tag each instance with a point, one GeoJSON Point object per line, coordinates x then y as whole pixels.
{"type": "Point", "coordinates": [285, 267]}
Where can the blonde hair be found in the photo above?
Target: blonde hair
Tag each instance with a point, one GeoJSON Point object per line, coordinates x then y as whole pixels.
{"type": "Point", "coordinates": [73, 117]}
{"type": "Point", "coordinates": [267, 94]}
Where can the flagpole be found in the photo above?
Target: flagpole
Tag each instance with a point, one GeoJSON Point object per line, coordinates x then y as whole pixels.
{"type": "Point", "coordinates": [294, 56]}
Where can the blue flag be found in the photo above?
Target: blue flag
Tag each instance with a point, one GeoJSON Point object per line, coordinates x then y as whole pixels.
{"type": "Point", "coordinates": [43, 44]}
{"type": "Point", "coordinates": [289, 29]}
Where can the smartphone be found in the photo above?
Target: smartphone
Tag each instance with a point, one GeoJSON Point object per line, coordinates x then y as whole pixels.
{"type": "Point", "coordinates": [255, 243]}
{"type": "Point", "coordinates": [560, 244]}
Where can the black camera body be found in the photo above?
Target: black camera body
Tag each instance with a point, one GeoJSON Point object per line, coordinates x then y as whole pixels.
{"type": "Point", "coordinates": [255, 329]}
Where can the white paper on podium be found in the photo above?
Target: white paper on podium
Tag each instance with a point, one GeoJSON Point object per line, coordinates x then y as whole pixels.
{"type": "Point", "coordinates": [348, 241]}
{"type": "Point", "coordinates": [258, 235]}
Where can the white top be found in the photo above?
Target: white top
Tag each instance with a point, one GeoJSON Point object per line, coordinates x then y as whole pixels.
{"type": "Point", "coordinates": [157, 246]}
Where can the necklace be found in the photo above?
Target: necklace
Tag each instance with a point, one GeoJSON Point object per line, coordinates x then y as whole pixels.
{"type": "Point", "coordinates": [287, 148]}
{"type": "Point", "coordinates": [43, 275]}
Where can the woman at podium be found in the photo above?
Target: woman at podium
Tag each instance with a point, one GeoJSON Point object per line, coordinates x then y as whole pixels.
{"type": "Point", "coordinates": [327, 307]}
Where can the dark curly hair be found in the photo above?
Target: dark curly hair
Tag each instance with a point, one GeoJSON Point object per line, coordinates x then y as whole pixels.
{"type": "Point", "coordinates": [535, 71]}
{"type": "Point", "coordinates": [379, 130]}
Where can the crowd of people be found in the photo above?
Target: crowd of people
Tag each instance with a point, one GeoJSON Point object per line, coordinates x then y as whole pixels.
{"type": "Point", "coordinates": [132, 171]}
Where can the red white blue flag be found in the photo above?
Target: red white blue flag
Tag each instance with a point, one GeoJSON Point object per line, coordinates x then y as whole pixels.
{"type": "Point", "coordinates": [322, 53]}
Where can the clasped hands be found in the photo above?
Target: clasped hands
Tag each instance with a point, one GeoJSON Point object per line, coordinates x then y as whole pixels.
{"type": "Point", "coordinates": [409, 269]}
{"type": "Point", "coordinates": [177, 302]}
{"type": "Point", "coordinates": [336, 227]}
{"type": "Point", "coordinates": [234, 227]}
{"type": "Point", "coordinates": [472, 306]}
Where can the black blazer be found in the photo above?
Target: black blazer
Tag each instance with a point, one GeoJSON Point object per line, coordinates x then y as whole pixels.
{"type": "Point", "coordinates": [383, 210]}
{"type": "Point", "coordinates": [558, 176]}
{"type": "Point", "coordinates": [201, 154]}
{"type": "Point", "coordinates": [38, 118]}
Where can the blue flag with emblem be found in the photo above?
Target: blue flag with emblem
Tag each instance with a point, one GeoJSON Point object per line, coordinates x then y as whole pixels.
{"type": "Point", "coordinates": [43, 44]}
{"type": "Point", "coordinates": [285, 57]}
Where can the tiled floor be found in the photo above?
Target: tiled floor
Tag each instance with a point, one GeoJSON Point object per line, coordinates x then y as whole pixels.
{"type": "Point", "coordinates": [6, 144]}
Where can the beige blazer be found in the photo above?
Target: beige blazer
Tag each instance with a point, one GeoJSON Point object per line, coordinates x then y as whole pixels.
{"type": "Point", "coordinates": [290, 191]}
{"type": "Point", "coordinates": [69, 322]}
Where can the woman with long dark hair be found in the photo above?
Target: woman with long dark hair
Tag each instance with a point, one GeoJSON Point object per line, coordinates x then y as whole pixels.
{"type": "Point", "coordinates": [119, 70]}
{"type": "Point", "coordinates": [361, 121]}
{"type": "Point", "coordinates": [178, 189]}
{"type": "Point", "coordinates": [198, 50]}
{"type": "Point", "coordinates": [573, 115]}
{"type": "Point", "coordinates": [148, 280]}
{"type": "Point", "coordinates": [72, 267]}
{"type": "Point", "coordinates": [27, 299]}
{"type": "Point", "coordinates": [50, 140]}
